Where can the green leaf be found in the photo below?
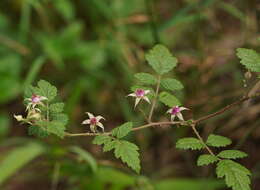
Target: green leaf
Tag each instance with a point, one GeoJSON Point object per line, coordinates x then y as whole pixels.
{"type": "Point", "coordinates": [57, 107]}
{"type": "Point", "coordinates": [108, 146]}
{"type": "Point", "coordinates": [86, 156]}
{"type": "Point", "coordinates": [56, 128]}
{"type": "Point", "coordinates": [206, 159]}
{"type": "Point", "coordinates": [128, 153]}
{"type": "Point", "coordinates": [47, 90]}
{"type": "Point", "coordinates": [236, 175]}
{"type": "Point", "coordinates": [17, 158]}
{"type": "Point", "coordinates": [171, 84]}
{"type": "Point", "coordinates": [146, 78]}
{"type": "Point", "coordinates": [168, 99]}
{"type": "Point", "coordinates": [122, 130]}
{"type": "Point", "coordinates": [102, 139]}
{"type": "Point", "coordinates": [249, 58]}
{"type": "Point", "coordinates": [60, 117]}
{"type": "Point", "coordinates": [218, 141]}
{"type": "Point", "coordinates": [161, 59]}
{"type": "Point", "coordinates": [232, 154]}
{"type": "Point", "coordinates": [189, 143]}
{"type": "Point", "coordinates": [38, 131]}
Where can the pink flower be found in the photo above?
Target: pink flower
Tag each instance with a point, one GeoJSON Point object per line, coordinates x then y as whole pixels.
{"type": "Point", "coordinates": [176, 111]}
{"type": "Point", "coordinates": [93, 122]}
{"type": "Point", "coordinates": [35, 100]}
{"type": "Point", "coordinates": [140, 94]}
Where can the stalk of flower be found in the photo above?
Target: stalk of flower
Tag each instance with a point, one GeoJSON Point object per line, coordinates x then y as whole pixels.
{"type": "Point", "coordinates": [94, 122]}
{"type": "Point", "coordinates": [176, 111]}
{"type": "Point", "coordinates": [34, 101]}
{"type": "Point", "coordinates": [140, 94]}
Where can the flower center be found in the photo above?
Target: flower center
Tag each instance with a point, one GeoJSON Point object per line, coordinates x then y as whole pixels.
{"type": "Point", "coordinates": [35, 98]}
{"type": "Point", "coordinates": [175, 110]}
{"type": "Point", "coordinates": [139, 93]}
{"type": "Point", "coordinates": [93, 121]}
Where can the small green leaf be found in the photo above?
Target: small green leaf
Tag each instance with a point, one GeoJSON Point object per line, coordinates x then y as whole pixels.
{"type": "Point", "coordinates": [128, 153]}
{"type": "Point", "coordinates": [109, 146]}
{"type": "Point", "coordinates": [47, 90]}
{"type": "Point", "coordinates": [60, 117]}
{"type": "Point", "coordinates": [232, 154]}
{"type": "Point", "coordinates": [171, 84]}
{"type": "Point", "coordinates": [122, 130]}
{"type": "Point", "coordinates": [236, 175]}
{"type": "Point", "coordinates": [249, 58]}
{"type": "Point", "coordinates": [102, 139]}
{"type": "Point", "coordinates": [168, 99]}
{"type": "Point", "coordinates": [206, 159]}
{"type": "Point", "coordinates": [146, 78]}
{"type": "Point", "coordinates": [161, 59]}
{"type": "Point", "coordinates": [56, 128]}
{"type": "Point", "coordinates": [57, 107]}
{"type": "Point", "coordinates": [38, 131]}
{"type": "Point", "coordinates": [218, 141]}
{"type": "Point", "coordinates": [189, 143]}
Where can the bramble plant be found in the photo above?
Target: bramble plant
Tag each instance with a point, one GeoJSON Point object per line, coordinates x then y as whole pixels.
{"type": "Point", "coordinates": [45, 116]}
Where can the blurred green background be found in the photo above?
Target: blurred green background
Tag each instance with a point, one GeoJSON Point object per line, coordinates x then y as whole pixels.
{"type": "Point", "coordinates": [90, 50]}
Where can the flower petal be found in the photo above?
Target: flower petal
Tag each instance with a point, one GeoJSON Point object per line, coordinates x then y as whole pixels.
{"type": "Point", "coordinates": [90, 115]}
{"type": "Point", "coordinates": [172, 117]}
{"type": "Point", "coordinates": [137, 100]}
{"type": "Point", "coordinates": [99, 117]}
{"type": "Point", "coordinates": [85, 122]}
{"type": "Point", "coordinates": [147, 92]}
{"type": "Point", "coordinates": [132, 94]}
{"type": "Point", "coordinates": [93, 128]}
{"type": "Point", "coordinates": [43, 98]}
{"type": "Point", "coordinates": [19, 117]}
{"type": "Point", "coordinates": [183, 108]}
{"type": "Point", "coordinates": [179, 115]}
{"type": "Point", "coordinates": [101, 126]}
{"type": "Point", "coordinates": [146, 99]}
{"type": "Point", "coordinates": [169, 110]}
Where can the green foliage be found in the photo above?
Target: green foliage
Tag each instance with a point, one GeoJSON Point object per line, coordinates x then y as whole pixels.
{"type": "Point", "coordinates": [17, 158]}
{"type": "Point", "coordinates": [206, 159]}
{"type": "Point", "coordinates": [85, 156]}
{"type": "Point", "coordinates": [122, 130]}
{"type": "Point", "coordinates": [161, 59]}
{"type": "Point", "coordinates": [168, 99]}
{"type": "Point", "coordinates": [56, 128]}
{"type": "Point", "coordinates": [38, 131]}
{"type": "Point", "coordinates": [218, 141]}
{"type": "Point", "coordinates": [57, 107]}
{"type": "Point", "coordinates": [189, 143]}
{"type": "Point", "coordinates": [146, 78]}
{"type": "Point", "coordinates": [236, 175]}
{"type": "Point", "coordinates": [171, 84]}
{"type": "Point", "coordinates": [126, 151]}
{"type": "Point", "coordinates": [249, 58]}
{"type": "Point", "coordinates": [232, 154]}
{"type": "Point", "coordinates": [46, 89]}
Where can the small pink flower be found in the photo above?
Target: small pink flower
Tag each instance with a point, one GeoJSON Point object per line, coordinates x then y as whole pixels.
{"type": "Point", "coordinates": [140, 94]}
{"type": "Point", "coordinates": [176, 111]}
{"type": "Point", "coordinates": [93, 122]}
{"type": "Point", "coordinates": [35, 100]}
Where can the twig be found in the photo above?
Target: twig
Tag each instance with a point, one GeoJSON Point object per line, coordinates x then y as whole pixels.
{"type": "Point", "coordinates": [155, 98]}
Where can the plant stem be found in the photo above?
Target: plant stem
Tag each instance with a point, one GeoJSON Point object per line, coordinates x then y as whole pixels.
{"type": "Point", "coordinates": [155, 99]}
{"type": "Point", "coordinates": [201, 140]}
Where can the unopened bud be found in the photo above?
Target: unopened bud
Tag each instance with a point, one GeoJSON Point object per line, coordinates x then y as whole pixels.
{"type": "Point", "coordinates": [248, 75]}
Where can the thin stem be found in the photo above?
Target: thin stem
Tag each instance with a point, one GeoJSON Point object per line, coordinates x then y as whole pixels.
{"type": "Point", "coordinates": [155, 99]}
{"type": "Point", "coordinates": [201, 140]}
{"type": "Point", "coordinates": [143, 113]}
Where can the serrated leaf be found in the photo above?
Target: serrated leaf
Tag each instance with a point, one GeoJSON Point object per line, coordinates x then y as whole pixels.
{"type": "Point", "coordinates": [146, 78]}
{"type": "Point", "coordinates": [108, 146]}
{"type": "Point", "coordinates": [168, 99]}
{"type": "Point", "coordinates": [236, 175]}
{"type": "Point", "coordinates": [161, 59]}
{"type": "Point", "coordinates": [46, 89]}
{"type": "Point", "coordinates": [189, 143]}
{"type": "Point", "coordinates": [218, 141]}
{"type": "Point", "coordinates": [57, 107]}
{"type": "Point", "coordinates": [102, 139]}
{"type": "Point", "coordinates": [249, 58]}
{"type": "Point", "coordinates": [38, 131]}
{"type": "Point", "coordinates": [206, 159]}
{"type": "Point", "coordinates": [171, 84]}
{"type": "Point", "coordinates": [122, 130]}
{"type": "Point", "coordinates": [128, 153]}
{"type": "Point", "coordinates": [232, 154]}
{"type": "Point", "coordinates": [60, 117]}
{"type": "Point", "coordinates": [56, 128]}
{"type": "Point", "coordinates": [29, 91]}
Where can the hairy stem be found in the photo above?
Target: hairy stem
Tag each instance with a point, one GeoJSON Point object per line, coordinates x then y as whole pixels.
{"type": "Point", "coordinates": [155, 99]}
